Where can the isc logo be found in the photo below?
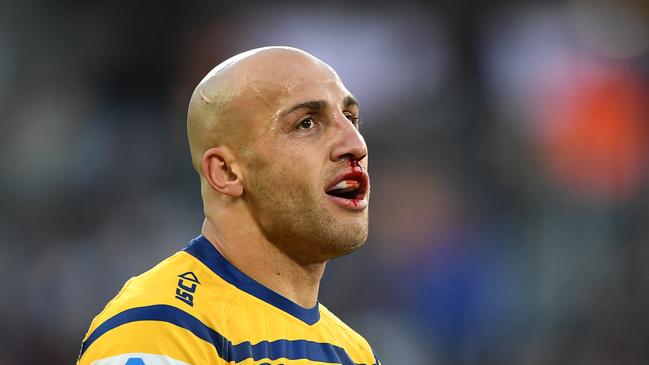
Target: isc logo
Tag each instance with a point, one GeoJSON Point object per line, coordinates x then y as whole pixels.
{"type": "Point", "coordinates": [187, 285]}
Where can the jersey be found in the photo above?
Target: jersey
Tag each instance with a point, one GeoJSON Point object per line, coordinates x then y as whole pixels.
{"type": "Point", "coordinates": [197, 308]}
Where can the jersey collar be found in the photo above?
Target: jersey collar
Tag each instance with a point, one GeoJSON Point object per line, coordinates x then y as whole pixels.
{"type": "Point", "coordinates": [205, 252]}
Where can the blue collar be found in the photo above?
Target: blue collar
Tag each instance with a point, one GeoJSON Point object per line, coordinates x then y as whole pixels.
{"type": "Point", "coordinates": [205, 252]}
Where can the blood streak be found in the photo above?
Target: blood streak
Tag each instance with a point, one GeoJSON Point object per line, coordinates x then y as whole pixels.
{"type": "Point", "coordinates": [355, 165]}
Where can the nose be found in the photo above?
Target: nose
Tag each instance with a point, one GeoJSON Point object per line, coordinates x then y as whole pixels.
{"type": "Point", "coordinates": [349, 143]}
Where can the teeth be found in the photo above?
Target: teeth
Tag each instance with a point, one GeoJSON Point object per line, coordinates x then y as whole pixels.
{"type": "Point", "coordinates": [345, 186]}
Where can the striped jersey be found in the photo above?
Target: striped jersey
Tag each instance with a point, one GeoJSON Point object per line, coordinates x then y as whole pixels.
{"type": "Point", "coordinates": [197, 308]}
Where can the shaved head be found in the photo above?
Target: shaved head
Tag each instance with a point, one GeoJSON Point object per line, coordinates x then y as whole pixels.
{"type": "Point", "coordinates": [221, 105]}
{"type": "Point", "coordinates": [270, 131]}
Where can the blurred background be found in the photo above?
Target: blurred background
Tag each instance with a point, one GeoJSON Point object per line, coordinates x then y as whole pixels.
{"type": "Point", "coordinates": [509, 161]}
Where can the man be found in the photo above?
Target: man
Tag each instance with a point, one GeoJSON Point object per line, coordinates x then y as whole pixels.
{"type": "Point", "coordinates": [274, 137]}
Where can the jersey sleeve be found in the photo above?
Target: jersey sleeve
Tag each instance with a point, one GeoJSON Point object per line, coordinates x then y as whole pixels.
{"type": "Point", "coordinates": [152, 335]}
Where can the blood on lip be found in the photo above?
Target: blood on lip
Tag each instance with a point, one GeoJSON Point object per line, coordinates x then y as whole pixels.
{"type": "Point", "coordinates": [353, 201]}
{"type": "Point", "coordinates": [358, 176]}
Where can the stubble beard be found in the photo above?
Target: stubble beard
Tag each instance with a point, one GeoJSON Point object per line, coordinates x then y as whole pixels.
{"type": "Point", "coordinates": [295, 223]}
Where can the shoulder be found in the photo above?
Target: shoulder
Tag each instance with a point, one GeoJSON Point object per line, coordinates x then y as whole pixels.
{"type": "Point", "coordinates": [155, 313]}
{"type": "Point", "coordinates": [155, 286]}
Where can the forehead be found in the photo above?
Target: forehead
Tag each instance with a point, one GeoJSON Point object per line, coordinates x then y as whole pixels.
{"type": "Point", "coordinates": [270, 81]}
{"type": "Point", "coordinates": [314, 84]}
{"type": "Point", "coordinates": [329, 89]}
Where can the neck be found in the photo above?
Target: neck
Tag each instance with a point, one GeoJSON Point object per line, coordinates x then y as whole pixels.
{"type": "Point", "coordinates": [251, 253]}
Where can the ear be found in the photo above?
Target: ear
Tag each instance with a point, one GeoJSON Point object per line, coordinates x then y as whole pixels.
{"type": "Point", "coordinates": [220, 172]}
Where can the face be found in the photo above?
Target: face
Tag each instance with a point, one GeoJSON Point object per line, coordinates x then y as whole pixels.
{"type": "Point", "coordinates": [306, 181]}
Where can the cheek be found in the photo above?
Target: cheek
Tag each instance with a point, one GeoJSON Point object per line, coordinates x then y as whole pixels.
{"type": "Point", "coordinates": [286, 166]}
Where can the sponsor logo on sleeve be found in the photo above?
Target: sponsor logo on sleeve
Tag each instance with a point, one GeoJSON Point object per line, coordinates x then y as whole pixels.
{"type": "Point", "coordinates": [186, 289]}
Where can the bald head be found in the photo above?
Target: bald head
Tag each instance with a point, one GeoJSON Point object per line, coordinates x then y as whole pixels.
{"type": "Point", "coordinates": [241, 88]}
{"type": "Point", "coordinates": [270, 130]}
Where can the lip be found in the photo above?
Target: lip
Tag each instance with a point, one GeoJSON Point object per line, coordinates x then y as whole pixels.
{"type": "Point", "coordinates": [358, 203]}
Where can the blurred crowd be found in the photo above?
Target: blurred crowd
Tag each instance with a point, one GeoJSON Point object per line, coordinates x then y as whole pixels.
{"type": "Point", "coordinates": [509, 160]}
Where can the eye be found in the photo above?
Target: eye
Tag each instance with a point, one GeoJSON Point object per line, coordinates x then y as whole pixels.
{"type": "Point", "coordinates": [353, 118]}
{"type": "Point", "coordinates": [306, 123]}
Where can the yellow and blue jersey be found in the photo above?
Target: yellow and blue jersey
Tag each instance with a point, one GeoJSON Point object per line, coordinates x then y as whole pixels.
{"type": "Point", "coordinates": [197, 308]}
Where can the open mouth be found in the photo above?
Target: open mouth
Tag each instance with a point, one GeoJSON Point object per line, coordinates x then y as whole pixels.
{"type": "Point", "coordinates": [351, 186]}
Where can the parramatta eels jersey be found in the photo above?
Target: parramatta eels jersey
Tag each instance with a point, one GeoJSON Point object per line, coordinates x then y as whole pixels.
{"type": "Point", "coordinates": [197, 308]}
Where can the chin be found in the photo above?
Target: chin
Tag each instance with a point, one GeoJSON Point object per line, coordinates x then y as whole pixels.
{"type": "Point", "coordinates": [348, 243]}
{"type": "Point", "coordinates": [329, 244]}
{"type": "Point", "coordinates": [348, 248]}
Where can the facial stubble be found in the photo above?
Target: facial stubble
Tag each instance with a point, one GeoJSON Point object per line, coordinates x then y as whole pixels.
{"type": "Point", "coordinates": [292, 218]}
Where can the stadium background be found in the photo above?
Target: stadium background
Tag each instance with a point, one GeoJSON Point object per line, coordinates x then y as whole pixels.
{"type": "Point", "coordinates": [509, 163]}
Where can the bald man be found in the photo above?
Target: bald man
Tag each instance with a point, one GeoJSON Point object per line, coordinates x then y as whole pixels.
{"type": "Point", "coordinates": [274, 137]}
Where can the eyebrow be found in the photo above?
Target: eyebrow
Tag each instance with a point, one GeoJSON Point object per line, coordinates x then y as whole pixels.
{"type": "Point", "coordinates": [349, 101]}
{"type": "Point", "coordinates": [318, 105]}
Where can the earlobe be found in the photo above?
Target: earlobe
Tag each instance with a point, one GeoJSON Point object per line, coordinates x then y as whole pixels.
{"type": "Point", "coordinates": [218, 170]}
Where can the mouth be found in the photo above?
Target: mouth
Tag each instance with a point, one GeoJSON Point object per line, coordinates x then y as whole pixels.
{"type": "Point", "coordinates": [350, 190]}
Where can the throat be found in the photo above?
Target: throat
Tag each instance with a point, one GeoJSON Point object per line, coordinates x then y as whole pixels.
{"type": "Point", "coordinates": [299, 284]}
{"type": "Point", "coordinates": [274, 269]}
